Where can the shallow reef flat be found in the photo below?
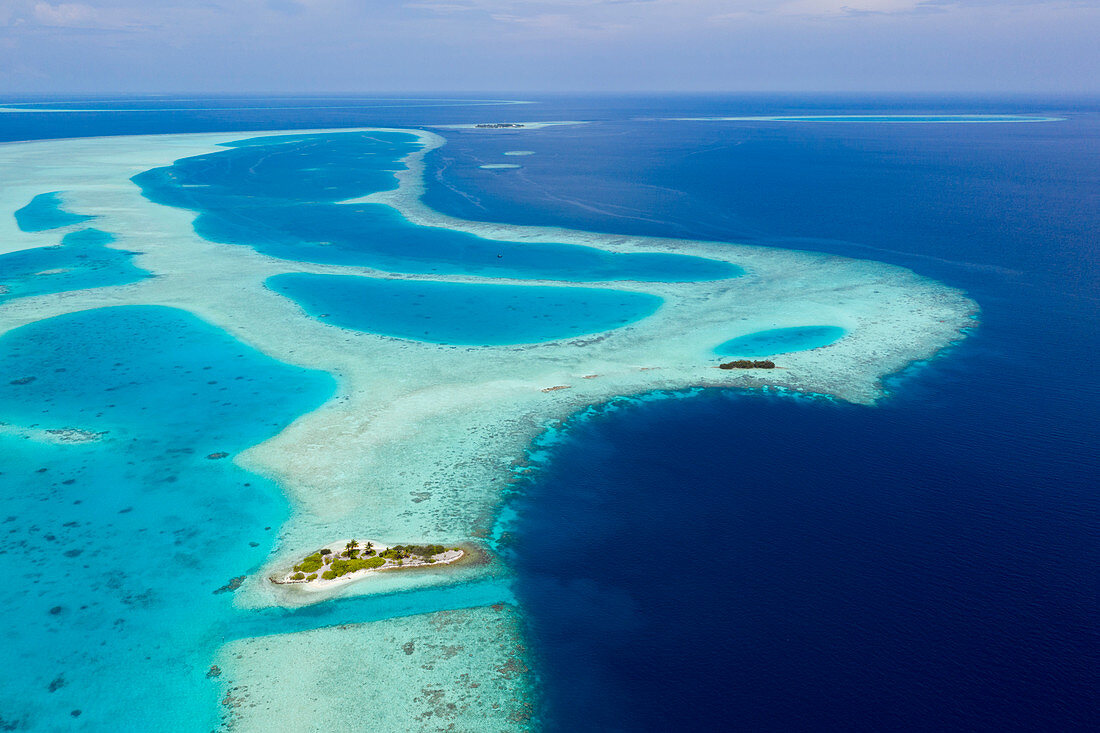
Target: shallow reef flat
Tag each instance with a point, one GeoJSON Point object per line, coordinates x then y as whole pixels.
{"type": "Point", "coordinates": [463, 670]}
{"type": "Point", "coordinates": [45, 212]}
{"type": "Point", "coordinates": [420, 438]}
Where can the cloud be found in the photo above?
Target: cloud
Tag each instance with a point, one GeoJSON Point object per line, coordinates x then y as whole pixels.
{"type": "Point", "coordinates": [86, 17]}
{"type": "Point", "coordinates": [848, 7]}
{"type": "Point", "coordinates": [66, 15]}
{"type": "Point", "coordinates": [533, 44]}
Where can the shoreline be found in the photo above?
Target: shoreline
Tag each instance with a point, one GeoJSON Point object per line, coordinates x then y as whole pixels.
{"type": "Point", "coordinates": [310, 583]}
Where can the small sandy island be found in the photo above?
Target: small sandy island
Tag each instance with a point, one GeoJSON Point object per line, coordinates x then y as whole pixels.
{"type": "Point", "coordinates": [356, 560]}
{"type": "Point", "coordinates": [506, 125]}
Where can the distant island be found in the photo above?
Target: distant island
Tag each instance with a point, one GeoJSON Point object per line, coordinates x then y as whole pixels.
{"type": "Point", "coordinates": [746, 364]}
{"type": "Point", "coordinates": [499, 124]}
{"type": "Point", "coordinates": [325, 568]}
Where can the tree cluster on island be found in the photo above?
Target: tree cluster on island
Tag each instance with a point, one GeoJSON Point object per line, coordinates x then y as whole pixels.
{"type": "Point", "coordinates": [747, 364]}
{"type": "Point", "coordinates": [355, 557]}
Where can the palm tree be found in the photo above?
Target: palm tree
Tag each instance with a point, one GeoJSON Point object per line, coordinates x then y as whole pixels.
{"type": "Point", "coordinates": [349, 547]}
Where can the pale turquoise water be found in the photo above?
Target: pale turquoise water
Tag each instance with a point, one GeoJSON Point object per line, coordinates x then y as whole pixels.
{"type": "Point", "coordinates": [82, 260]}
{"type": "Point", "coordinates": [462, 313]}
{"type": "Point", "coordinates": [780, 341]}
{"type": "Point", "coordinates": [45, 212]}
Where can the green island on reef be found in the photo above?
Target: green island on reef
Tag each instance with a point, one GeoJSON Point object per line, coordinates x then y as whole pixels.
{"type": "Point", "coordinates": [746, 364]}
{"type": "Point", "coordinates": [324, 567]}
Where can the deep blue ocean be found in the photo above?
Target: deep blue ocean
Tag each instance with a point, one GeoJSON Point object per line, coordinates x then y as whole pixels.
{"type": "Point", "coordinates": [733, 560]}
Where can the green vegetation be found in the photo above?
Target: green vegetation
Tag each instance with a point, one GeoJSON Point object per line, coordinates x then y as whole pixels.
{"type": "Point", "coordinates": [311, 564]}
{"type": "Point", "coordinates": [312, 576]}
{"type": "Point", "coordinates": [298, 576]}
{"type": "Point", "coordinates": [746, 364]}
{"type": "Point", "coordinates": [400, 552]}
{"type": "Point", "coordinates": [343, 567]}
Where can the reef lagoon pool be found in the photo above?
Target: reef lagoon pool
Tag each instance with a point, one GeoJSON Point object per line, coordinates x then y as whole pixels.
{"type": "Point", "coordinates": [781, 341]}
{"type": "Point", "coordinates": [463, 314]}
{"type": "Point", "coordinates": [82, 260]}
{"type": "Point", "coordinates": [45, 212]}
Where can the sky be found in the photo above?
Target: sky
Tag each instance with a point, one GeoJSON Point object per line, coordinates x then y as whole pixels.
{"type": "Point", "coordinates": [323, 46]}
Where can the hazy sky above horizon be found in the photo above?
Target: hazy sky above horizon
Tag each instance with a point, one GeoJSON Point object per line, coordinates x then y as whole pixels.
{"type": "Point", "coordinates": [542, 45]}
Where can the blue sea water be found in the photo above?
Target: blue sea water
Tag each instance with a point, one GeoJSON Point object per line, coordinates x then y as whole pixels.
{"type": "Point", "coordinates": [45, 212]}
{"type": "Point", "coordinates": [82, 260]}
{"type": "Point", "coordinates": [463, 313]}
{"type": "Point", "coordinates": [762, 562]}
{"type": "Point", "coordinates": [940, 119]}
{"type": "Point", "coordinates": [280, 195]}
{"type": "Point", "coordinates": [780, 341]}
{"type": "Point", "coordinates": [768, 563]}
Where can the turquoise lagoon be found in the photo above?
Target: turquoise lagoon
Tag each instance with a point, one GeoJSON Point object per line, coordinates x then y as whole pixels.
{"type": "Point", "coordinates": [82, 260]}
{"type": "Point", "coordinates": [781, 341]}
{"type": "Point", "coordinates": [281, 195]}
{"type": "Point", "coordinates": [463, 313]}
{"type": "Point", "coordinates": [115, 549]}
{"type": "Point", "coordinates": [44, 212]}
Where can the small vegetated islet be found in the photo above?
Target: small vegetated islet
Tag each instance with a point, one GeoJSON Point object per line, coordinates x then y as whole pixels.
{"type": "Point", "coordinates": [353, 558]}
{"type": "Point", "coordinates": [747, 364]}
